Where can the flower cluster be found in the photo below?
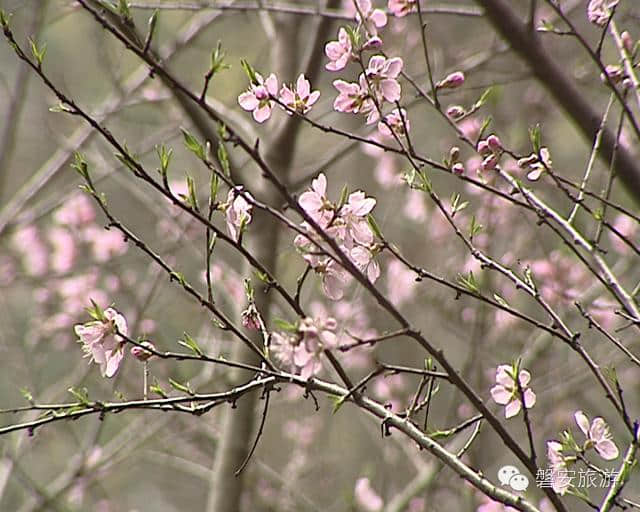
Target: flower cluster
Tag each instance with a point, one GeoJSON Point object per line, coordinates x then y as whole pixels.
{"type": "Point", "coordinates": [559, 454]}
{"type": "Point", "coordinates": [491, 151]}
{"type": "Point", "coordinates": [375, 86]}
{"type": "Point", "coordinates": [599, 11]}
{"type": "Point", "coordinates": [348, 225]}
{"type": "Point", "coordinates": [537, 164]}
{"type": "Point", "coordinates": [100, 340]}
{"type": "Point", "coordinates": [506, 391]}
{"type": "Point", "coordinates": [300, 347]}
{"type": "Point", "coordinates": [260, 97]}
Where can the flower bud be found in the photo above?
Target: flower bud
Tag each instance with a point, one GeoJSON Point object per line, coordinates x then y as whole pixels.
{"type": "Point", "coordinates": [489, 163]}
{"type": "Point", "coordinates": [527, 160]}
{"type": "Point", "coordinates": [627, 41]}
{"type": "Point", "coordinates": [250, 319]}
{"type": "Point", "coordinates": [494, 143]}
{"type": "Point", "coordinates": [451, 81]}
{"type": "Point", "coordinates": [140, 353]}
{"type": "Point", "coordinates": [458, 169]}
{"type": "Point", "coordinates": [454, 154]}
{"type": "Point", "coordinates": [455, 112]}
{"type": "Point", "coordinates": [483, 147]}
{"type": "Point", "coordinates": [373, 43]}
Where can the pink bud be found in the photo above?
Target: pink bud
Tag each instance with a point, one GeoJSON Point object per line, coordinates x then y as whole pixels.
{"type": "Point", "coordinates": [373, 44]}
{"type": "Point", "coordinates": [455, 111]}
{"type": "Point", "coordinates": [489, 163]}
{"type": "Point", "coordinates": [483, 147]}
{"type": "Point", "coordinates": [458, 169]}
{"type": "Point", "coordinates": [627, 41]}
{"type": "Point", "coordinates": [140, 353]}
{"type": "Point", "coordinates": [452, 81]}
{"type": "Point", "coordinates": [494, 143]}
{"type": "Point", "coordinates": [527, 160]}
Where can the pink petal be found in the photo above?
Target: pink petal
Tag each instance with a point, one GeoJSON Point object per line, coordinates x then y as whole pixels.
{"type": "Point", "coordinates": [332, 286]}
{"type": "Point", "coordinates": [248, 101]}
{"type": "Point", "coordinates": [313, 97]}
{"type": "Point", "coordinates": [263, 113]}
{"type": "Point", "coordinates": [375, 64]}
{"type": "Point", "coordinates": [583, 422]}
{"type": "Point", "coordinates": [319, 185]}
{"type": "Point", "coordinates": [393, 67]}
{"type": "Point", "coordinates": [390, 90]}
{"type": "Point", "coordinates": [512, 409]}
{"type": "Point", "coordinates": [311, 202]}
{"type": "Point", "coordinates": [379, 18]}
{"type": "Point", "coordinates": [529, 398]}
{"type": "Point", "coordinates": [607, 449]}
{"type": "Point", "coordinates": [373, 271]}
{"type": "Point", "coordinates": [500, 395]}
{"type": "Point", "coordinates": [525, 377]}
{"type": "Point", "coordinates": [272, 84]}
{"type": "Point", "coordinates": [302, 86]}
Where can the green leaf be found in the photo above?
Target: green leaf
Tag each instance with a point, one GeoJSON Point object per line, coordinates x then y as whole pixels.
{"type": "Point", "coordinates": [469, 282]}
{"type": "Point", "coordinates": [82, 395]}
{"type": "Point", "coordinates": [193, 145]}
{"type": "Point", "coordinates": [485, 125]}
{"type": "Point", "coordinates": [500, 300]}
{"type": "Point", "coordinates": [283, 325]}
{"type": "Point", "coordinates": [338, 402]}
{"type": "Point", "coordinates": [80, 165]}
{"type": "Point", "coordinates": [26, 394]}
{"type": "Point", "coordinates": [374, 226]}
{"type": "Point", "coordinates": [164, 155]}
{"type": "Point", "coordinates": [214, 184]}
{"type": "Point", "coordinates": [456, 204]}
{"type": "Point", "coordinates": [192, 198]}
{"type": "Point", "coordinates": [534, 135]}
{"type": "Point", "coordinates": [190, 343]}
{"type": "Point", "coordinates": [484, 98]}
{"type": "Point", "coordinates": [38, 53]}
{"type": "Point", "coordinates": [217, 60]}
{"type": "Point", "coordinates": [475, 227]}
{"type": "Point", "coordinates": [178, 276]}
{"type": "Point", "coordinates": [157, 389]}
{"type": "Point", "coordinates": [185, 388]}
{"type": "Point", "coordinates": [223, 158]}
{"type": "Point", "coordinates": [344, 195]}
{"type": "Point", "coordinates": [249, 71]}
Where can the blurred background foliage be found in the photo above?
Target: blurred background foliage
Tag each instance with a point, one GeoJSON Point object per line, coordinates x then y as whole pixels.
{"type": "Point", "coordinates": [307, 460]}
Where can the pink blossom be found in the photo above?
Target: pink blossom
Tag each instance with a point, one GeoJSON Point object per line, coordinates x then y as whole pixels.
{"type": "Point", "coordinates": [401, 283]}
{"type": "Point", "coordinates": [401, 8]}
{"type": "Point", "coordinates": [300, 351]}
{"type": "Point", "coordinates": [382, 73]}
{"type": "Point", "coordinates": [351, 97]}
{"type": "Point", "coordinates": [506, 392]}
{"type": "Point", "coordinates": [363, 258]}
{"type": "Point", "coordinates": [237, 212]}
{"type": "Point", "coordinates": [301, 99]}
{"type": "Point", "coordinates": [258, 97]}
{"type": "Point", "coordinates": [76, 211]}
{"type": "Point", "coordinates": [105, 243]}
{"type": "Point", "coordinates": [372, 19]}
{"type": "Point", "coordinates": [490, 505]}
{"type": "Point", "coordinates": [560, 479]}
{"type": "Point", "coordinates": [627, 227]}
{"type": "Point", "coordinates": [398, 121]}
{"type": "Point", "coordinates": [64, 249]}
{"type": "Point", "coordinates": [599, 11]}
{"type": "Point", "coordinates": [100, 341]}
{"type": "Point", "coordinates": [598, 436]}
{"type": "Point", "coordinates": [34, 252]}
{"type": "Point", "coordinates": [366, 497]}
{"type": "Point", "coordinates": [315, 203]}
{"type": "Point", "coordinates": [338, 52]}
